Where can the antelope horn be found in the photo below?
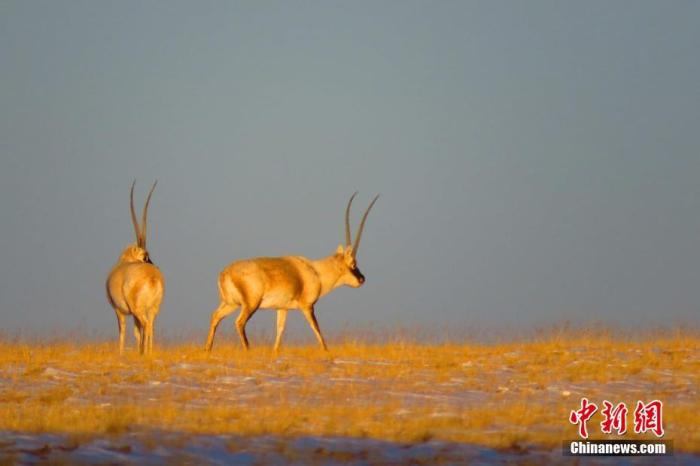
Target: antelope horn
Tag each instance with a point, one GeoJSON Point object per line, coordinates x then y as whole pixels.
{"type": "Point", "coordinates": [144, 217]}
{"type": "Point", "coordinates": [358, 236]}
{"type": "Point", "coordinates": [133, 215]}
{"type": "Point", "coordinates": [348, 238]}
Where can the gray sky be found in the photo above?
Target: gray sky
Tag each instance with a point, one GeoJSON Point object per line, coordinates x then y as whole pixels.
{"type": "Point", "coordinates": [537, 161]}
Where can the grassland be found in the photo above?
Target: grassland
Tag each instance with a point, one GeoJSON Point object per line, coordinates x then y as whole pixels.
{"type": "Point", "coordinates": [506, 395]}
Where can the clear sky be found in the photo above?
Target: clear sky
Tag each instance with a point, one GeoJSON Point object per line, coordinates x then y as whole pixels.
{"type": "Point", "coordinates": [537, 161]}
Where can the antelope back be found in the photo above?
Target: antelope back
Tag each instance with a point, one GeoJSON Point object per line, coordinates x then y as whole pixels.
{"type": "Point", "coordinates": [135, 286]}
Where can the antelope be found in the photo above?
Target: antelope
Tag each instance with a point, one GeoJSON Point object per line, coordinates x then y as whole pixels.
{"type": "Point", "coordinates": [135, 286]}
{"type": "Point", "coordinates": [289, 282]}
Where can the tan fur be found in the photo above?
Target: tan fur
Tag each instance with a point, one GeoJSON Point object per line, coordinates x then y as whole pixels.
{"type": "Point", "coordinates": [135, 287]}
{"type": "Point", "coordinates": [283, 283]}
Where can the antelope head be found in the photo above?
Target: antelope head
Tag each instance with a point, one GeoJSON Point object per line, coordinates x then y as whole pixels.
{"type": "Point", "coordinates": [137, 251]}
{"type": "Point", "coordinates": [346, 256]}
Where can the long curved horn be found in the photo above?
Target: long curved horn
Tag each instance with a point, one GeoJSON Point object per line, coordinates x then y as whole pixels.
{"type": "Point", "coordinates": [358, 236]}
{"type": "Point", "coordinates": [133, 215]}
{"type": "Point", "coordinates": [144, 217]}
{"type": "Point", "coordinates": [348, 238]}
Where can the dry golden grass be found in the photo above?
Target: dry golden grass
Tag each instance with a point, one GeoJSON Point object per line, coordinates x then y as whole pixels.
{"type": "Point", "coordinates": [494, 395]}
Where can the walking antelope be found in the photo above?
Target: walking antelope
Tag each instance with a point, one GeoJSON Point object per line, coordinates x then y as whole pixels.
{"type": "Point", "coordinates": [289, 282]}
{"type": "Point", "coordinates": [135, 286]}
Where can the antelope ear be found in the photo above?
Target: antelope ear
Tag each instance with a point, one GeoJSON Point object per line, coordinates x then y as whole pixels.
{"type": "Point", "coordinates": [340, 250]}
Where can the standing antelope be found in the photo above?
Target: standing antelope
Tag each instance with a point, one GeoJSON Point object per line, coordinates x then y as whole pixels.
{"type": "Point", "coordinates": [135, 286]}
{"type": "Point", "coordinates": [289, 282]}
